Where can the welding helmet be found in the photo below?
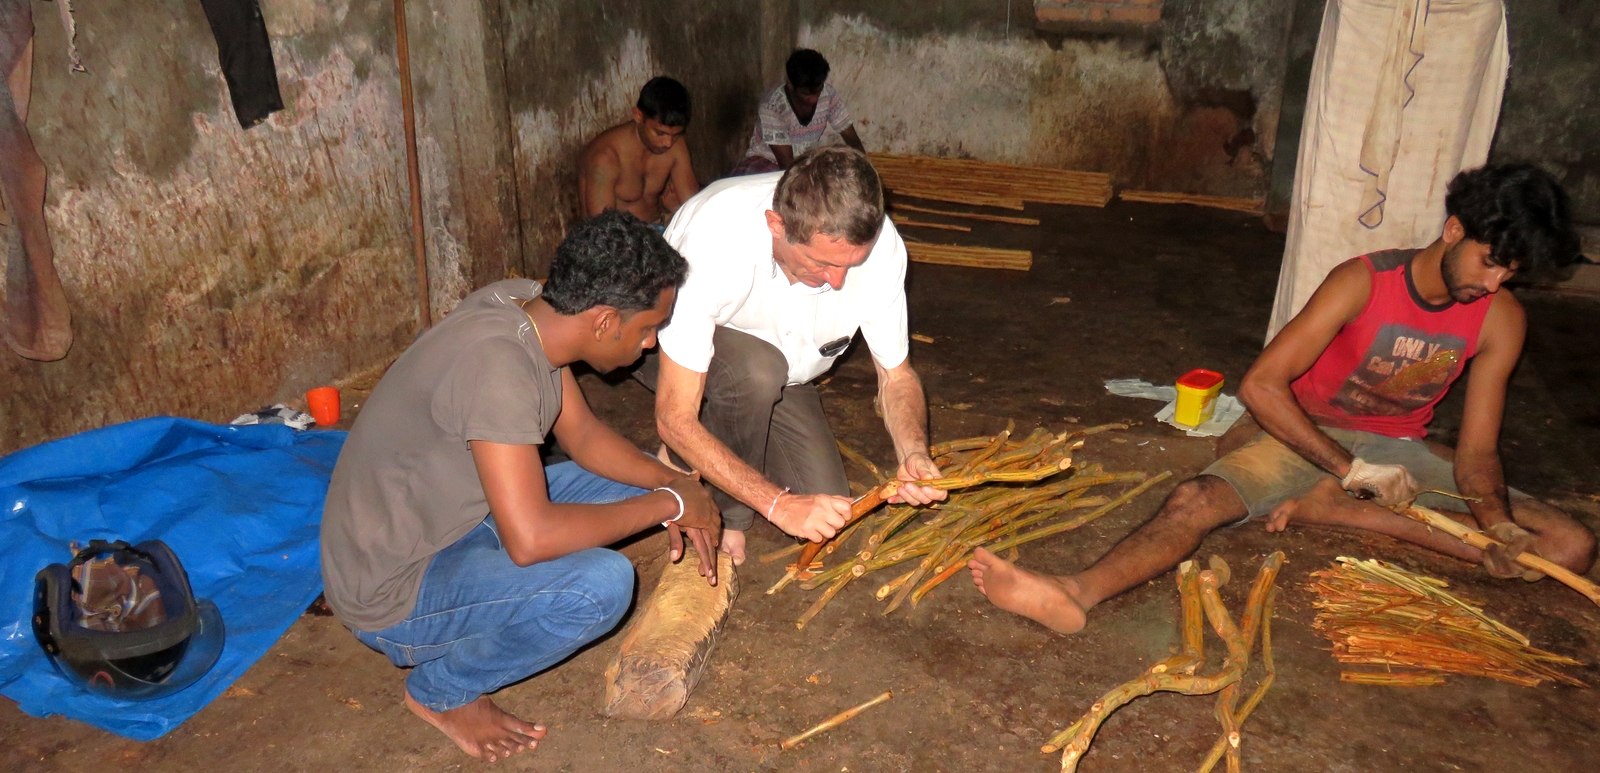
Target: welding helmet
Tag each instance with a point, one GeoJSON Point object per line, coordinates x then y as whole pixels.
{"type": "Point", "coordinates": [127, 626]}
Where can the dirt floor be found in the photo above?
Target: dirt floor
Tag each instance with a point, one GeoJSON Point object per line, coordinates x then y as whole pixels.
{"type": "Point", "coordinates": [1146, 291]}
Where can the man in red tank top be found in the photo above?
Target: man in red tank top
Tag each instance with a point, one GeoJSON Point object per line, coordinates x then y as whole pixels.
{"type": "Point", "coordinates": [1342, 398]}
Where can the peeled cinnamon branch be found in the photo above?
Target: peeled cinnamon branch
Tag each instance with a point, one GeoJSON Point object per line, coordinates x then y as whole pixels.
{"type": "Point", "coordinates": [1481, 541]}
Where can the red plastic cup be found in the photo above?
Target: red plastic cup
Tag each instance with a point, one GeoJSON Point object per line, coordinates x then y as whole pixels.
{"type": "Point", "coordinates": [323, 402]}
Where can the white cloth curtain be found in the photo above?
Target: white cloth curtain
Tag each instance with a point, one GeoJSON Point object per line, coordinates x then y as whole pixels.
{"type": "Point", "coordinates": [1404, 94]}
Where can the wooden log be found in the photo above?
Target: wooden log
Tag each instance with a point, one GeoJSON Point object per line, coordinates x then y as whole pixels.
{"type": "Point", "coordinates": [665, 651]}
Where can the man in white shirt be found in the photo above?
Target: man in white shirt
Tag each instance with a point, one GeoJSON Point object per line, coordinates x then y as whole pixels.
{"type": "Point", "coordinates": [802, 113]}
{"type": "Point", "coordinates": [783, 270]}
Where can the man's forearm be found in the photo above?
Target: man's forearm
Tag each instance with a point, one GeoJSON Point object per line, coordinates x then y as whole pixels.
{"type": "Point", "coordinates": [1276, 410]}
{"type": "Point", "coordinates": [600, 450]}
{"type": "Point", "coordinates": [905, 412]}
{"type": "Point", "coordinates": [716, 463]}
{"type": "Point", "coordinates": [1480, 476]}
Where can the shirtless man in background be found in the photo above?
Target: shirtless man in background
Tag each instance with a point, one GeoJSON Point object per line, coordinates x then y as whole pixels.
{"type": "Point", "coordinates": [642, 166]}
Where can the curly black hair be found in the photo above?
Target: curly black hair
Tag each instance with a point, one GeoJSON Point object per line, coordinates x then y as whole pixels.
{"type": "Point", "coordinates": [1520, 212]}
{"type": "Point", "coordinates": [612, 259]}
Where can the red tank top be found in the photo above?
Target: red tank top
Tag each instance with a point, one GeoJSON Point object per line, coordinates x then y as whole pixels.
{"type": "Point", "coordinates": [1388, 367]}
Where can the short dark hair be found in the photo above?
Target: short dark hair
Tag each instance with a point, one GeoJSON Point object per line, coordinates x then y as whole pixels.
{"type": "Point", "coordinates": [807, 70]}
{"type": "Point", "coordinates": [1520, 212]}
{"type": "Point", "coordinates": [612, 259]}
{"type": "Point", "coordinates": [832, 190]}
{"type": "Point", "coordinates": [666, 100]}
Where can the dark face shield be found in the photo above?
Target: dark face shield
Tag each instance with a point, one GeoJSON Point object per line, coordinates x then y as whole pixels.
{"type": "Point", "coordinates": [123, 622]}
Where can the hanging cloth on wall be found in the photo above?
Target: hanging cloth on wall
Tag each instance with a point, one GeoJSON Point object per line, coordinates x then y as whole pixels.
{"type": "Point", "coordinates": [36, 322]}
{"type": "Point", "coordinates": [1404, 94]}
{"type": "Point", "coordinates": [246, 56]}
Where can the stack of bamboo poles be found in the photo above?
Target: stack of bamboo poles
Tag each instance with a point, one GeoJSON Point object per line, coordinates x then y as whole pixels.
{"type": "Point", "coordinates": [983, 183]}
{"type": "Point", "coordinates": [1201, 602]}
{"type": "Point", "coordinates": [1408, 628]}
{"type": "Point", "coordinates": [1251, 206]}
{"type": "Point", "coordinates": [1003, 503]}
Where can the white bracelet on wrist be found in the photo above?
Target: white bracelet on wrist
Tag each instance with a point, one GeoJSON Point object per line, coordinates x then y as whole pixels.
{"type": "Point", "coordinates": [774, 505]}
{"type": "Point", "coordinates": [677, 496]}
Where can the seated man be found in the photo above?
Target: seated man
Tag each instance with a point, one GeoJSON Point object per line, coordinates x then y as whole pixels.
{"type": "Point", "coordinates": [767, 309]}
{"type": "Point", "coordinates": [641, 166]}
{"type": "Point", "coordinates": [796, 117]}
{"type": "Point", "coordinates": [447, 545]}
{"type": "Point", "coordinates": [1344, 394]}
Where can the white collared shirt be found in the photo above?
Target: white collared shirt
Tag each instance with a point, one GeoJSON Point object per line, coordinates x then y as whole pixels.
{"type": "Point", "coordinates": [734, 282]}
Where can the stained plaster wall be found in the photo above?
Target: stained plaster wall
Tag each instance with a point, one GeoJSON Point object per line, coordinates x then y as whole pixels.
{"type": "Point", "coordinates": [1190, 106]}
{"type": "Point", "coordinates": [575, 68]}
{"type": "Point", "coordinates": [210, 269]}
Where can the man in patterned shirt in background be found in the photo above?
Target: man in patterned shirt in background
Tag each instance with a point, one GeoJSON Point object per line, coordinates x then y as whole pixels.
{"type": "Point", "coordinates": [798, 116]}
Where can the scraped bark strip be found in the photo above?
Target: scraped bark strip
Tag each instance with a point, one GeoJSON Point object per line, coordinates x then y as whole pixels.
{"type": "Point", "coordinates": [666, 649]}
{"type": "Point", "coordinates": [972, 257]}
{"type": "Point", "coordinates": [1249, 206]}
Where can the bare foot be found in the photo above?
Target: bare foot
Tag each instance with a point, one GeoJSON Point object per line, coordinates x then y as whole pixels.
{"type": "Point", "coordinates": [733, 545]}
{"type": "Point", "coordinates": [1314, 506]}
{"type": "Point", "coordinates": [481, 729]}
{"type": "Point", "coordinates": [1047, 600]}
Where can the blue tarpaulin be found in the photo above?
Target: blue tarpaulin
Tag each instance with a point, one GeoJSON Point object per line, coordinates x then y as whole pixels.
{"type": "Point", "coordinates": [240, 506]}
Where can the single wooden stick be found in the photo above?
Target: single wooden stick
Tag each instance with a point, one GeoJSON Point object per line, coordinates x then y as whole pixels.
{"type": "Point", "coordinates": [906, 222]}
{"type": "Point", "coordinates": [968, 215]}
{"type": "Point", "coordinates": [835, 720]}
{"type": "Point", "coordinates": [1480, 541]}
{"type": "Point", "coordinates": [784, 553]}
{"type": "Point", "coordinates": [856, 456]}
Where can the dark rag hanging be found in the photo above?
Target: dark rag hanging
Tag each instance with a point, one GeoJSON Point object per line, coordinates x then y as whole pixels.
{"type": "Point", "coordinates": [246, 57]}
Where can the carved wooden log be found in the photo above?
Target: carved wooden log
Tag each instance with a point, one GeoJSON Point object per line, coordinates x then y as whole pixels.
{"type": "Point", "coordinates": [666, 649]}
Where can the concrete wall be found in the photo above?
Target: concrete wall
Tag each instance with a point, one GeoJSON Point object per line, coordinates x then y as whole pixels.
{"type": "Point", "coordinates": [574, 68]}
{"type": "Point", "coordinates": [211, 269]}
{"type": "Point", "coordinates": [1191, 105]}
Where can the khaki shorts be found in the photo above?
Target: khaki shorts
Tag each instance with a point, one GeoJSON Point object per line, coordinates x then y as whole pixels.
{"type": "Point", "coordinates": [1265, 472]}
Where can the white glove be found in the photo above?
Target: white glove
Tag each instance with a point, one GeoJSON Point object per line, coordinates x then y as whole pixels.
{"type": "Point", "coordinates": [1388, 485]}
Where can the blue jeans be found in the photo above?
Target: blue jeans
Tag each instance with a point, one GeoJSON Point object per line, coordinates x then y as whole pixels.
{"type": "Point", "coordinates": [481, 622]}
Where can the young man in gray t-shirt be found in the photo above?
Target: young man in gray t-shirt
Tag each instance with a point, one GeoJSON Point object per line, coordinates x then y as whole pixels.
{"type": "Point", "coordinates": [447, 545]}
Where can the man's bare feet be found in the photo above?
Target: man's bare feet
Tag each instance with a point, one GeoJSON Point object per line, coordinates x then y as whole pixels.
{"type": "Point", "coordinates": [1050, 601]}
{"type": "Point", "coordinates": [733, 545]}
{"type": "Point", "coordinates": [1318, 505]}
{"type": "Point", "coordinates": [481, 729]}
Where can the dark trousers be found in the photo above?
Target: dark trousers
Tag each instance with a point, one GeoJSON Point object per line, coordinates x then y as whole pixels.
{"type": "Point", "coordinates": [775, 427]}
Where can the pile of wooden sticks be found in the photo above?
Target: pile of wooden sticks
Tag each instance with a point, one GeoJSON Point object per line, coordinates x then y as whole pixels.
{"type": "Point", "coordinates": [1403, 629]}
{"type": "Point", "coordinates": [1012, 491]}
{"type": "Point", "coordinates": [983, 183]}
{"type": "Point", "coordinates": [1201, 603]}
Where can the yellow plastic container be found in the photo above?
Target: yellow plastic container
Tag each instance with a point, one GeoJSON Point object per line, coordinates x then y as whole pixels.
{"type": "Point", "coordinates": [1197, 397]}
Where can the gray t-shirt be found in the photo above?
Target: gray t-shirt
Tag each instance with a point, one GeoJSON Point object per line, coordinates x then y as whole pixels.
{"type": "Point", "coordinates": [405, 486]}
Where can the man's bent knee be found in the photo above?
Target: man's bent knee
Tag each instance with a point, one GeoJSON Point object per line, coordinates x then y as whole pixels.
{"type": "Point", "coordinates": [1204, 502]}
{"type": "Point", "coordinates": [605, 578]}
